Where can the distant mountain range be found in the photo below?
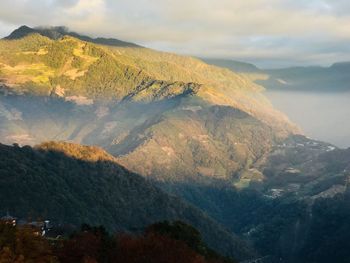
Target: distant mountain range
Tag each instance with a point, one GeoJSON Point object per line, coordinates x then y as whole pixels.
{"type": "Point", "coordinates": [234, 65]}
{"type": "Point", "coordinates": [307, 79]}
{"type": "Point", "coordinates": [314, 97]}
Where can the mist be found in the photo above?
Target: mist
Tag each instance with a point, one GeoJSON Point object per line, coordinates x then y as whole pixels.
{"type": "Point", "coordinates": [321, 115]}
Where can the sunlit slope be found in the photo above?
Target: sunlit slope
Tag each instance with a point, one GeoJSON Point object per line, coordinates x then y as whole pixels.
{"type": "Point", "coordinates": [84, 71]}
{"type": "Point", "coordinates": [196, 142]}
{"type": "Point", "coordinates": [161, 114]}
{"type": "Point", "coordinates": [179, 138]}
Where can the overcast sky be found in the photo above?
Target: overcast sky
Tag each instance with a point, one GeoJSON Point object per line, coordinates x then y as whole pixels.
{"type": "Point", "coordinates": [267, 32]}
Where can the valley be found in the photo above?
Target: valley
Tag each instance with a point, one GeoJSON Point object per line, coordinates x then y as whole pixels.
{"type": "Point", "coordinates": [113, 133]}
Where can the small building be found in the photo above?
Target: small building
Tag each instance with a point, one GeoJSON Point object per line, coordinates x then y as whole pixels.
{"type": "Point", "coordinates": [9, 220]}
{"type": "Point", "coordinates": [42, 227]}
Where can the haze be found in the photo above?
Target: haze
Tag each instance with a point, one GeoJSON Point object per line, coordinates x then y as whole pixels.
{"type": "Point", "coordinates": [322, 116]}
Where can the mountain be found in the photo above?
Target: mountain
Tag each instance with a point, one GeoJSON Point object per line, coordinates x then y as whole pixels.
{"type": "Point", "coordinates": [69, 183]}
{"type": "Point", "coordinates": [135, 103]}
{"type": "Point", "coordinates": [234, 65]}
{"type": "Point", "coordinates": [300, 211]}
{"type": "Point", "coordinates": [310, 79]}
{"type": "Point", "coordinates": [197, 131]}
{"type": "Point", "coordinates": [60, 31]}
{"type": "Point", "coordinates": [305, 79]}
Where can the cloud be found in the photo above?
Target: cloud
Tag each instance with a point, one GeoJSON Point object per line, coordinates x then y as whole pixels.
{"type": "Point", "coordinates": [292, 31]}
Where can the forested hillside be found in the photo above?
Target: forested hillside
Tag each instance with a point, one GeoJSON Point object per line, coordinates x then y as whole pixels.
{"type": "Point", "coordinates": [68, 183]}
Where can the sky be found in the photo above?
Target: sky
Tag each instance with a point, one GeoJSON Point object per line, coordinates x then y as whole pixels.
{"type": "Point", "coordinates": [269, 33]}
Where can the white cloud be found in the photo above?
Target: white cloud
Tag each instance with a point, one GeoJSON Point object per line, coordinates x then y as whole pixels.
{"type": "Point", "coordinates": [5, 28]}
{"type": "Point", "coordinates": [287, 30]}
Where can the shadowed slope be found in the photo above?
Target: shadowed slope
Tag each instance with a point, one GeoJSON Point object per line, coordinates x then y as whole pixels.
{"type": "Point", "coordinates": [75, 184]}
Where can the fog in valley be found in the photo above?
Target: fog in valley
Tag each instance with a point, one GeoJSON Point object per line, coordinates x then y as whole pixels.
{"type": "Point", "coordinates": [321, 115]}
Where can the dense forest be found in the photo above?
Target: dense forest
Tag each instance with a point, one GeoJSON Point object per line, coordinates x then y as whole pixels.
{"type": "Point", "coordinates": [68, 183]}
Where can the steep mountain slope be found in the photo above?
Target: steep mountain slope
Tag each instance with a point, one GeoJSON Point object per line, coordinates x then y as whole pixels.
{"type": "Point", "coordinates": [69, 67]}
{"type": "Point", "coordinates": [137, 103]}
{"type": "Point", "coordinates": [211, 142]}
{"type": "Point", "coordinates": [75, 184]}
{"type": "Point", "coordinates": [172, 139]}
{"type": "Point", "coordinates": [290, 215]}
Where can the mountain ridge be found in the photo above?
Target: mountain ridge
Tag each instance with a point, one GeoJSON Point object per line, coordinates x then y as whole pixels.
{"type": "Point", "coordinates": [300, 78]}
{"type": "Point", "coordinates": [56, 32]}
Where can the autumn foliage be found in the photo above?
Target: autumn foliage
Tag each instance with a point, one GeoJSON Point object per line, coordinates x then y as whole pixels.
{"type": "Point", "coordinates": [23, 245]}
{"type": "Point", "coordinates": [95, 245]}
{"type": "Point", "coordinates": [155, 248]}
